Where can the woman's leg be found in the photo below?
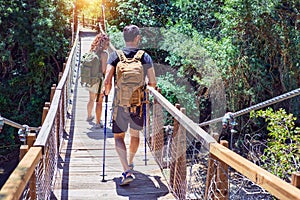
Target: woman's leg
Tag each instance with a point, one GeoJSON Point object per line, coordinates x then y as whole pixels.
{"type": "Point", "coordinates": [90, 105]}
{"type": "Point", "coordinates": [98, 110]}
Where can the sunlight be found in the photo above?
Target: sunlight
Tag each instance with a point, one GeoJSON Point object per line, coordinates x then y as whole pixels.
{"type": "Point", "coordinates": [90, 8]}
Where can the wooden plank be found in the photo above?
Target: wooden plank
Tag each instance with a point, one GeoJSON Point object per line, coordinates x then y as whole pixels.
{"type": "Point", "coordinates": [270, 182]}
{"type": "Point", "coordinates": [18, 180]}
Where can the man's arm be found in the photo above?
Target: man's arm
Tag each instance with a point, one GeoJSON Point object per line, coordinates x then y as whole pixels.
{"type": "Point", "coordinates": [151, 77]}
{"type": "Point", "coordinates": [110, 70]}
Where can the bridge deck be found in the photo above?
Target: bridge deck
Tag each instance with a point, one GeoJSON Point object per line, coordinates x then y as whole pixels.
{"type": "Point", "coordinates": [81, 158]}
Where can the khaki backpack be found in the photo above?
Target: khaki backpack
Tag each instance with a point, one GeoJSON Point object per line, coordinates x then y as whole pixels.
{"type": "Point", "coordinates": [130, 81]}
{"type": "Point", "coordinates": [90, 71]}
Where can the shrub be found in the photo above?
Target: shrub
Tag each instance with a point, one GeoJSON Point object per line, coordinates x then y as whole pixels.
{"type": "Point", "coordinates": [281, 157]}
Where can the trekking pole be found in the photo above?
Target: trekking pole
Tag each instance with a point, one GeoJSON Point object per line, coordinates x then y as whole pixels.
{"type": "Point", "coordinates": [99, 90]}
{"type": "Point", "coordinates": [111, 117]}
{"type": "Point", "coordinates": [104, 144]}
{"type": "Point", "coordinates": [145, 125]}
{"type": "Point", "coordinates": [112, 111]}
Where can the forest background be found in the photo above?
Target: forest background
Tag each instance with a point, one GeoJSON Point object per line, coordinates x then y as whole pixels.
{"type": "Point", "coordinates": [216, 55]}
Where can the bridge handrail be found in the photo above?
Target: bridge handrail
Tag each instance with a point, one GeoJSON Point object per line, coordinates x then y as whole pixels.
{"type": "Point", "coordinates": [34, 176]}
{"type": "Point", "coordinates": [45, 130]}
{"type": "Point", "coordinates": [224, 156]}
{"type": "Point", "coordinates": [18, 180]}
{"type": "Point", "coordinates": [276, 186]}
{"type": "Point", "coordinates": [187, 123]}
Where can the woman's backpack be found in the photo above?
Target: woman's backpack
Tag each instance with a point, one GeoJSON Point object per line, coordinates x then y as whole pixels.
{"type": "Point", "coordinates": [90, 70]}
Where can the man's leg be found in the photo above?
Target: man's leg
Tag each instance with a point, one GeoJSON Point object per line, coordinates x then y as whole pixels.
{"type": "Point", "coordinates": [134, 144]}
{"type": "Point", "coordinates": [121, 149]}
{"type": "Point", "coordinates": [119, 127]}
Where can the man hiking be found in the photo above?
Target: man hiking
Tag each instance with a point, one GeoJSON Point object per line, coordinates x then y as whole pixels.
{"type": "Point", "coordinates": [129, 67]}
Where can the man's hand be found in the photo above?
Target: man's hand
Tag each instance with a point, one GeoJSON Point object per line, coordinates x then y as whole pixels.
{"type": "Point", "coordinates": [108, 79]}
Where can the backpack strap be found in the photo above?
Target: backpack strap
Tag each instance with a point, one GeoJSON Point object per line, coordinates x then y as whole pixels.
{"type": "Point", "coordinates": [139, 54]}
{"type": "Point", "coordinates": [121, 56]}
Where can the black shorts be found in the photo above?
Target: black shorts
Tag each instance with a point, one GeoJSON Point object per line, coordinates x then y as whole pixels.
{"type": "Point", "coordinates": [125, 117]}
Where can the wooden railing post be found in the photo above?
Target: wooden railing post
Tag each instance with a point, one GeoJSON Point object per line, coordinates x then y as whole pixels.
{"type": "Point", "coordinates": [45, 111]}
{"type": "Point", "coordinates": [210, 172]}
{"type": "Point", "coordinates": [75, 24]}
{"type": "Point", "coordinates": [59, 76]}
{"type": "Point", "coordinates": [64, 67]}
{"type": "Point", "coordinates": [221, 176]}
{"type": "Point", "coordinates": [173, 149]}
{"type": "Point", "coordinates": [31, 137]}
{"type": "Point", "coordinates": [64, 101]}
{"type": "Point", "coordinates": [179, 182]}
{"type": "Point", "coordinates": [23, 150]}
{"type": "Point", "coordinates": [52, 92]}
{"type": "Point", "coordinates": [157, 131]}
{"type": "Point", "coordinates": [47, 104]}
{"type": "Point", "coordinates": [296, 179]}
{"type": "Point", "coordinates": [148, 120]}
{"type": "Point", "coordinates": [59, 121]}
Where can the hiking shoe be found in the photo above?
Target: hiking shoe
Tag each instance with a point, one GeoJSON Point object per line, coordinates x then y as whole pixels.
{"type": "Point", "coordinates": [97, 126]}
{"type": "Point", "coordinates": [131, 166]}
{"type": "Point", "coordinates": [89, 119]}
{"type": "Point", "coordinates": [126, 179]}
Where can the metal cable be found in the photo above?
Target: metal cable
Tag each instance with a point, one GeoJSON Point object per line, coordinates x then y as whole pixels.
{"type": "Point", "coordinates": [16, 125]}
{"type": "Point", "coordinates": [277, 99]}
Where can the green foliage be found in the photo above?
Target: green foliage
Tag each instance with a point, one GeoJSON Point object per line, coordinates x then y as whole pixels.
{"type": "Point", "coordinates": [201, 15]}
{"type": "Point", "coordinates": [188, 55]}
{"type": "Point", "coordinates": [142, 13]}
{"type": "Point", "coordinates": [282, 155]}
{"type": "Point", "coordinates": [266, 35]}
{"type": "Point", "coordinates": [253, 47]}
{"type": "Point", "coordinates": [115, 36]}
{"type": "Point", "coordinates": [176, 92]}
{"type": "Point", "coordinates": [34, 41]}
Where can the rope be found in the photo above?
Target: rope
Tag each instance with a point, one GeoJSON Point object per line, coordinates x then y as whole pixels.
{"type": "Point", "coordinates": [274, 100]}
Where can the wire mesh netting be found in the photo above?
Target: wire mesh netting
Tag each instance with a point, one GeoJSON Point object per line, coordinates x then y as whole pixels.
{"type": "Point", "coordinates": [47, 168]}
{"type": "Point", "coordinates": [41, 183]}
{"type": "Point", "coordinates": [190, 170]}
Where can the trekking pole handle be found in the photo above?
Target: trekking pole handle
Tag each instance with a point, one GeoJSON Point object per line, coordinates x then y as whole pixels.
{"type": "Point", "coordinates": [106, 97]}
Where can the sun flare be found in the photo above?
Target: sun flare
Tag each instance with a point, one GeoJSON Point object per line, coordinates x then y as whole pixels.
{"type": "Point", "coordinates": [90, 8]}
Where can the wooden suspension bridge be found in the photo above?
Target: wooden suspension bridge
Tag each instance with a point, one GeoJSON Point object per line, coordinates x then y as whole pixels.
{"type": "Point", "coordinates": [65, 159]}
